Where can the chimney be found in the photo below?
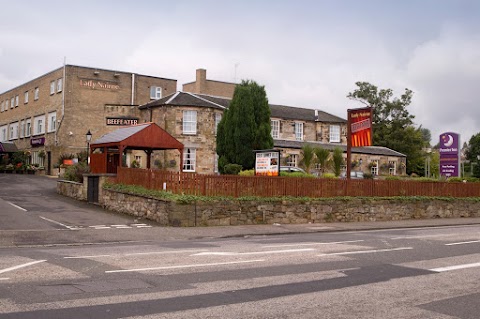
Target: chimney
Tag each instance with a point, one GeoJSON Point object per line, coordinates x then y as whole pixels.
{"type": "Point", "coordinates": [201, 81]}
{"type": "Point", "coordinates": [316, 114]}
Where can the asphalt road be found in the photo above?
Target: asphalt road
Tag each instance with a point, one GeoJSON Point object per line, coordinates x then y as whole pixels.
{"type": "Point", "coordinates": [87, 272]}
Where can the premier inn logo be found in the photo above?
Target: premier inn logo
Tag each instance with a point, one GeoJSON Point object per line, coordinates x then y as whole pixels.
{"type": "Point", "coordinates": [99, 84]}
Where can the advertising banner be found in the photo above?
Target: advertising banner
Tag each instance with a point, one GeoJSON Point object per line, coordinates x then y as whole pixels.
{"type": "Point", "coordinates": [267, 163]}
{"type": "Point", "coordinates": [360, 121]}
{"type": "Point", "coordinates": [449, 154]}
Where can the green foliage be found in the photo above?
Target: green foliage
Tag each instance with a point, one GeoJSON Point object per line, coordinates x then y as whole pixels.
{"type": "Point", "coordinates": [135, 164]}
{"type": "Point", "coordinates": [321, 155]}
{"type": "Point", "coordinates": [329, 175]}
{"type": "Point", "coordinates": [75, 172]}
{"type": "Point", "coordinates": [473, 148]}
{"type": "Point", "coordinates": [244, 127]}
{"type": "Point", "coordinates": [82, 156]}
{"type": "Point", "coordinates": [232, 169]}
{"type": "Point", "coordinates": [296, 174]}
{"type": "Point", "coordinates": [308, 156]}
{"type": "Point", "coordinates": [392, 123]}
{"type": "Point", "coordinates": [250, 172]}
{"type": "Point", "coordinates": [367, 176]}
{"type": "Point", "coordinates": [337, 160]}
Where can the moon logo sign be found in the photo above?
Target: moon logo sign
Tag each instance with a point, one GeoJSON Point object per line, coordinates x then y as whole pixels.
{"type": "Point", "coordinates": [449, 142]}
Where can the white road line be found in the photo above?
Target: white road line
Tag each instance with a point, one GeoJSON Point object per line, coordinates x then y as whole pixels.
{"type": "Point", "coordinates": [4, 279]}
{"type": "Point", "coordinates": [366, 251]}
{"type": "Point", "coordinates": [254, 252]}
{"type": "Point", "coordinates": [18, 207]}
{"type": "Point", "coordinates": [143, 226]}
{"type": "Point", "coordinates": [185, 266]}
{"type": "Point", "coordinates": [464, 266]}
{"type": "Point", "coordinates": [420, 236]}
{"type": "Point", "coordinates": [313, 244]}
{"type": "Point", "coordinates": [463, 242]}
{"type": "Point", "coordinates": [21, 266]}
{"type": "Point", "coordinates": [135, 254]}
{"type": "Point", "coordinates": [100, 227]}
{"type": "Point", "coordinates": [54, 222]}
{"type": "Point", "coordinates": [118, 225]}
{"type": "Point", "coordinates": [139, 224]}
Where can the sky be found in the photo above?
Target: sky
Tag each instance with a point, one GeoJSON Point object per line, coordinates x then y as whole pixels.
{"type": "Point", "coordinates": [306, 53]}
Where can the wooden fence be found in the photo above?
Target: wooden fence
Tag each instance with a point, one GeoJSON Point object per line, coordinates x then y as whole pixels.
{"type": "Point", "coordinates": [264, 186]}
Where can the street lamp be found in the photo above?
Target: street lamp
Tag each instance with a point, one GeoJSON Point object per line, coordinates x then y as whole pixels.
{"type": "Point", "coordinates": [89, 138]}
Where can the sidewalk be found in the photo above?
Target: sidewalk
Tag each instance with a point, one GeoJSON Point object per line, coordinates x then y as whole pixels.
{"type": "Point", "coordinates": [188, 233]}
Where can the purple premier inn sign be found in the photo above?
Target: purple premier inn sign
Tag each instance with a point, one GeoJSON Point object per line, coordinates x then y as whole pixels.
{"type": "Point", "coordinates": [449, 154]}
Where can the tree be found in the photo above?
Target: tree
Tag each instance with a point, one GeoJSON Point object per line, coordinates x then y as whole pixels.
{"type": "Point", "coordinates": [471, 154]}
{"type": "Point", "coordinates": [308, 156]}
{"type": "Point", "coordinates": [393, 125]}
{"type": "Point", "coordinates": [321, 155]}
{"type": "Point", "coordinates": [244, 127]}
{"type": "Point", "coordinates": [337, 160]}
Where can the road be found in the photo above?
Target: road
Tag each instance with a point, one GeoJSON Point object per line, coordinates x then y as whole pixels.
{"type": "Point", "coordinates": [390, 273]}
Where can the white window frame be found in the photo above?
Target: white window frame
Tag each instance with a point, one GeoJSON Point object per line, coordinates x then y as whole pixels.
{"type": "Point", "coordinates": [36, 93]}
{"type": "Point", "coordinates": [7, 101]}
{"type": "Point", "coordinates": [189, 160]}
{"type": "Point", "coordinates": [3, 106]}
{"type": "Point", "coordinates": [374, 168]}
{"type": "Point", "coordinates": [36, 159]}
{"type": "Point", "coordinates": [52, 87]}
{"type": "Point", "coordinates": [12, 103]}
{"type": "Point", "coordinates": [392, 170]}
{"type": "Point", "coordinates": [189, 125]}
{"type": "Point", "coordinates": [22, 129]}
{"type": "Point", "coordinates": [13, 131]}
{"type": "Point", "coordinates": [39, 125]}
{"type": "Point", "coordinates": [25, 97]}
{"type": "Point", "coordinates": [59, 85]}
{"type": "Point", "coordinates": [334, 133]}
{"type": "Point", "coordinates": [275, 132]}
{"type": "Point", "coordinates": [16, 100]}
{"type": "Point", "coordinates": [28, 127]}
{"type": "Point", "coordinates": [218, 118]}
{"type": "Point", "coordinates": [155, 92]}
{"type": "Point", "coordinates": [298, 131]}
{"type": "Point", "coordinates": [52, 122]}
{"type": "Point", "coordinates": [4, 133]}
{"type": "Point", "coordinates": [292, 160]}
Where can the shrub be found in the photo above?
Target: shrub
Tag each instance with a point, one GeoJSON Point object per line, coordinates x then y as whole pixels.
{"type": "Point", "coordinates": [295, 174]}
{"type": "Point", "coordinates": [328, 175]}
{"type": "Point", "coordinates": [249, 172]}
{"type": "Point", "coordinates": [232, 169]}
{"type": "Point", "coordinates": [75, 172]}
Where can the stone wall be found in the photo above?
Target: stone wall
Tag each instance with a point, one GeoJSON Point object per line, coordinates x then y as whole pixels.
{"type": "Point", "coordinates": [233, 212]}
{"type": "Point", "coordinates": [72, 189]}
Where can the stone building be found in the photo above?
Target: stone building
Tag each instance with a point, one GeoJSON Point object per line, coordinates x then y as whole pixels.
{"type": "Point", "coordinates": [50, 115]}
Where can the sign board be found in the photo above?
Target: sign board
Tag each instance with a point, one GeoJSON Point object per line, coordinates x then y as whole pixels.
{"type": "Point", "coordinates": [267, 163]}
{"type": "Point", "coordinates": [360, 124]}
{"type": "Point", "coordinates": [122, 121]}
{"type": "Point", "coordinates": [37, 141]}
{"type": "Point", "coordinates": [449, 154]}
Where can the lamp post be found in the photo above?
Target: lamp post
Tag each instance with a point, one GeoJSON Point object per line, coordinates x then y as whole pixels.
{"type": "Point", "coordinates": [89, 138]}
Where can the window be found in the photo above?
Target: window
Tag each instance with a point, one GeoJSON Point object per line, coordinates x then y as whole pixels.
{"type": "Point", "coordinates": [36, 93]}
{"type": "Point", "coordinates": [275, 124]}
{"type": "Point", "coordinates": [52, 122]}
{"type": "Point", "coordinates": [392, 167]}
{"type": "Point", "coordinates": [155, 92]}
{"type": "Point", "coordinates": [14, 131]}
{"type": "Point", "coordinates": [37, 159]}
{"type": "Point", "coordinates": [189, 159]}
{"type": "Point", "coordinates": [52, 87]}
{"type": "Point", "coordinates": [25, 97]}
{"type": "Point", "coordinates": [16, 100]}
{"type": "Point", "coordinates": [218, 118]}
{"type": "Point", "coordinates": [3, 133]}
{"type": "Point", "coordinates": [189, 122]}
{"type": "Point", "coordinates": [39, 125]}
{"type": "Point", "coordinates": [299, 131]}
{"type": "Point", "coordinates": [6, 104]}
{"type": "Point", "coordinates": [374, 167]}
{"type": "Point", "coordinates": [59, 85]}
{"type": "Point", "coordinates": [28, 127]}
{"type": "Point", "coordinates": [22, 129]}
{"type": "Point", "coordinates": [12, 103]}
{"type": "Point", "coordinates": [215, 164]}
{"type": "Point", "coordinates": [334, 133]}
{"type": "Point", "coordinates": [3, 106]}
{"type": "Point", "coordinates": [292, 160]}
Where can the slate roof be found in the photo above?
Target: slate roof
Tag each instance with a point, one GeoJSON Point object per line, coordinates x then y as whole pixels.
{"type": "Point", "coordinates": [277, 111]}
{"type": "Point", "coordinates": [121, 134]}
{"type": "Point", "coordinates": [371, 150]}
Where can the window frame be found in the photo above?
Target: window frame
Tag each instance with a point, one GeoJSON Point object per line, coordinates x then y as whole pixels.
{"type": "Point", "coordinates": [28, 127]}
{"type": "Point", "coordinates": [52, 87]}
{"type": "Point", "coordinates": [36, 93]}
{"type": "Point", "coordinates": [59, 85]}
{"type": "Point", "coordinates": [218, 118]}
{"type": "Point", "coordinates": [193, 158]}
{"type": "Point", "coordinates": [25, 97]}
{"type": "Point", "coordinates": [298, 129]}
{"type": "Point", "coordinates": [333, 136]}
{"type": "Point", "coordinates": [275, 131]}
{"type": "Point", "coordinates": [50, 122]}
{"type": "Point", "coordinates": [189, 122]}
{"type": "Point", "coordinates": [36, 125]}
{"type": "Point", "coordinates": [155, 92]}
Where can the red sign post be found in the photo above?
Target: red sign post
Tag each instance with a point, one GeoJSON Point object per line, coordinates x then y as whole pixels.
{"type": "Point", "coordinates": [359, 131]}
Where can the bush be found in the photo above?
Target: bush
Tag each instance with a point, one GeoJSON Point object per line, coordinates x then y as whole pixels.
{"type": "Point", "coordinates": [75, 172]}
{"type": "Point", "coordinates": [249, 172]}
{"type": "Point", "coordinates": [295, 174]}
{"type": "Point", "coordinates": [232, 169]}
{"type": "Point", "coordinates": [328, 175]}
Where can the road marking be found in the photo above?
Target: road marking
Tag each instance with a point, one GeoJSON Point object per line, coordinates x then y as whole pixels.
{"type": "Point", "coordinates": [463, 242]}
{"type": "Point", "coordinates": [135, 254]}
{"type": "Point", "coordinates": [18, 207]}
{"type": "Point", "coordinates": [55, 222]}
{"type": "Point", "coordinates": [420, 236]}
{"type": "Point", "coordinates": [254, 252]}
{"type": "Point", "coordinates": [21, 266]}
{"type": "Point", "coordinates": [100, 227]}
{"type": "Point", "coordinates": [4, 279]}
{"type": "Point", "coordinates": [366, 251]}
{"type": "Point", "coordinates": [464, 266]}
{"type": "Point", "coordinates": [312, 244]}
{"type": "Point", "coordinates": [186, 266]}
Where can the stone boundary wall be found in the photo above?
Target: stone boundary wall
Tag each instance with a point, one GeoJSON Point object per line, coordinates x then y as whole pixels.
{"type": "Point", "coordinates": [72, 189]}
{"type": "Point", "coordinates": [234, 212]}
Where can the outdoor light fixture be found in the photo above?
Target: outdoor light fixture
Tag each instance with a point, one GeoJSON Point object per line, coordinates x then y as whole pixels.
{"type": "Point", "coordinates": [89, 138]}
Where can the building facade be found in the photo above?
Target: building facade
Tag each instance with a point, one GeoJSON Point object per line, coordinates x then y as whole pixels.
{"type": "Point", "coordinates": [50, 115]}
